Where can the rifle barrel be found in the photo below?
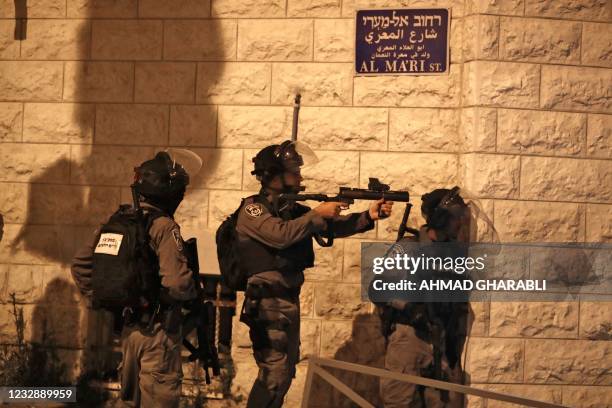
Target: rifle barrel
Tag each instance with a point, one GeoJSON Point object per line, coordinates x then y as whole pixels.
{"type": "Point", "coordinates": [352, 194]}
{"type": "Point", "coordinates": [362, 194]}
{"type": "Point", "coordinates": [305, 197]}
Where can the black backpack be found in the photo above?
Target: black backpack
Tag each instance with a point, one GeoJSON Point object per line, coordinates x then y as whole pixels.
{"type": "Point", "coordinates": [125, 268]}
{"type": "Point", "coordinates": [232, 275]}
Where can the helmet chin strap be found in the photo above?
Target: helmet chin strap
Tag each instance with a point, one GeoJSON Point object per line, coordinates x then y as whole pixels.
{"type": "Point", "coordinates": [285, 188]}
{"type": "Point", "coordinates": [443, 234]}
{"type": "Point", "coordinates": [169, 205]}
{"type": "Point", "coordinates": [293, 189]}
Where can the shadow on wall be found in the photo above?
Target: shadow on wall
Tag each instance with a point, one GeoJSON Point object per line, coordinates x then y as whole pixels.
{"type": "Point", "coordinates": [366, 346]}
{"type": "Point", "coordinates": [42, 348]}
{"type": "Point", "coordinates": [56, 328]}
{"type": "Point", "coordinates": [108, 122]}
{"type": "Point", "coordinates": [109, 135]}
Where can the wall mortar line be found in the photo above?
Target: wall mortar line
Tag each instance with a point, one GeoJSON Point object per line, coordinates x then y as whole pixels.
{"type": "Point", "coordinates": [23, 108]}
{"type": "Point", "coordinates": [63, 82]}
{"type": "Point", "coordinates": [581, 41]}
{"type": "Point", "coordinates": [388, 128]}
{"type": "Point", "coordinates": [168, 124]}
{"type": "Point", "coordinates": [163, 39]}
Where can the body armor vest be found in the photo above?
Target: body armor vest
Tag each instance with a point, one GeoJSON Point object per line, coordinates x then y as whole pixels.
{"type": "Point", "coordinates": [258, 257]}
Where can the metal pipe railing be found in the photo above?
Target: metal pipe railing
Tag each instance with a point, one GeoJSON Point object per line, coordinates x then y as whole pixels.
{"type": "Point", "coordinates": [316, 364]}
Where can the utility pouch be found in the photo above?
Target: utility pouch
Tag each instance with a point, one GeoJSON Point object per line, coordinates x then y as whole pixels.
{"type": "Point", "coordinates": [258, 336]}
{"type": "Point", "coordinates": [250, 307]}
{"type": "Point", "coordinates": [250, 311]}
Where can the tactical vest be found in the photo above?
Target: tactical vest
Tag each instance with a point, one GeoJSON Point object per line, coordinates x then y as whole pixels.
{"type": "Point", "coordinates": [256, 257]}
{"type": "Point", "coordinates": [453, 316]}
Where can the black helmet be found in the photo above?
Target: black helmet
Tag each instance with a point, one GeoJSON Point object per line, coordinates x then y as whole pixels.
{"type": "Point", "coordinates": [277, 159]}
{"type": "Point", "coordinates": [440, 205]}
{"type": "Point", "coordinates": [267, 165]}
{"type": "Point", "coordinates": [161, 178]}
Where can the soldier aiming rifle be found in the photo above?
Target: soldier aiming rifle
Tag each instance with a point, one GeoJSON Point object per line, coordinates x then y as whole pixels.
{"type": "Point", "coordinates": [264, 248]}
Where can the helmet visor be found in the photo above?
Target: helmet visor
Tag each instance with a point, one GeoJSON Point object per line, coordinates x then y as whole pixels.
{"type": "Point", "coordinates": [188, 160]}
{"type": "Point", "coordinates": [477, 220]}
{"type": "Point", "coordinates": [309, 157]}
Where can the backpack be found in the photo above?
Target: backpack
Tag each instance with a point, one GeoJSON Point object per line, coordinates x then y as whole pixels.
{"type": "Point", "coordinates": [232, 275]}
{"type": "Point", "coordinates": [125, 268]}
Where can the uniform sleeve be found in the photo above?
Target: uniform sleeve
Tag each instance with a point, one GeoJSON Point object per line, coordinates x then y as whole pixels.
{"type": "Point", "coordinates": [350, 224]}
{"type": "Point", "coordinates": [175, 274]}
{"type": "Point", "coordinates": [255, 221]}
{"type": "Point", "coordinates": [82, 266]}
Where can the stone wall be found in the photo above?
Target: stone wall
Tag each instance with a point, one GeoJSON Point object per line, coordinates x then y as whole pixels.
{"type": "Point", "coordinates": [536, 91]}
{"type": "Point", "coordinates": [522, 120]}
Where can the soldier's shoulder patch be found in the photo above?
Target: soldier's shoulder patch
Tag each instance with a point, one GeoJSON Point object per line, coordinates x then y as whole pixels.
{"type": "Point", "coordinates": [176, 234]}
{"type": "Point", "coordinates": [254, 209]}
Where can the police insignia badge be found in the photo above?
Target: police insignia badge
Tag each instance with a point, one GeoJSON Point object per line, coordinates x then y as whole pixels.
{"type": "Point", "coordinates": [177, 239]}
{"type": "Point", "coordinates": [254, 210]}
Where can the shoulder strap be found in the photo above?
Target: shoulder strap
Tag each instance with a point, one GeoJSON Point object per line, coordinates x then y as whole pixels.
{"type": "Point", "coordinates": [149, 218]}
{"type": "Point", "coordinates": [260, 199]}
{"type": "Point", "coordinates": [234, 215]}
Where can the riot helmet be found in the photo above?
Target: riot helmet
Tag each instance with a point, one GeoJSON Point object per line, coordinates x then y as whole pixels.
{"type": "Point", "coordinates": [278, 159]}
{"type": "Point", "coordinates": [162, 181]}
{"type": "Point", "coordinates": [442, 208]}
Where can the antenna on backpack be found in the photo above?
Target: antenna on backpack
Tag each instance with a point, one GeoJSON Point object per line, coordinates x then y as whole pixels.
{"type": "Point", "coordinates": [135, 199]}
{"type": "Point", "coordinates": [296, 113]}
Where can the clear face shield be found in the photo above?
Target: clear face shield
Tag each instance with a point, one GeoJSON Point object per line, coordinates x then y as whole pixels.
{"type": "Point", "coordinates": [309, 158]}
{"type": "Point", "coordinates": [295, 155]}
{"type": "Point", "coordinates": [475, 224]}
{"type": "Point", "coordinates": [186, 160]}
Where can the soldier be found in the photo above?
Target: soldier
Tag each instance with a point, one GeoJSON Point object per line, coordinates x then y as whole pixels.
{"type": "Point", "coordinates": [415, 330]}
{"type": "Point", "coordinates": [275, 242]}
{"type": "Point", "coordinates": [150, 369]}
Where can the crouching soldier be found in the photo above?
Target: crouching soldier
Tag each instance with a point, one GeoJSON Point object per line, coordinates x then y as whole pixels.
{"type": "Point", "coordinates": [427, 338]}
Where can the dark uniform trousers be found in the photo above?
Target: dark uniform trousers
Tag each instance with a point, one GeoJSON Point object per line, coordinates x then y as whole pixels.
{"type": "Point", "coordinates": [408, 353]}
{"type": "Point", "coordinates": [276, 343]}
{"type": "Point", "coordinates": [151, 371]}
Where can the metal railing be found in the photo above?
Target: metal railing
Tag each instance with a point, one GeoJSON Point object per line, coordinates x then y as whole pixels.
{"type": "Point", "coordinates": [316, 364]}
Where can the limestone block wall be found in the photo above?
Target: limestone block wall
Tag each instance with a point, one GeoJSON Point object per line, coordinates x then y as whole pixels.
{"type": "Point", "coordinates": [536, 92]}
{"type": "Point", "coordinates": [522, 120]}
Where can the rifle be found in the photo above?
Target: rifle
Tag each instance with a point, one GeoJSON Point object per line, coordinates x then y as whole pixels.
{"type": "Point", "coordinates": [347, 195]}
{"type": "Point", "coordinates": [403, 228]}
{"type": "Point", "coordinates": [227, 310]}
{"type": "Point", "coordinates": [389, 313]}
{"type": "Point", "coordinates": [202, 317]}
